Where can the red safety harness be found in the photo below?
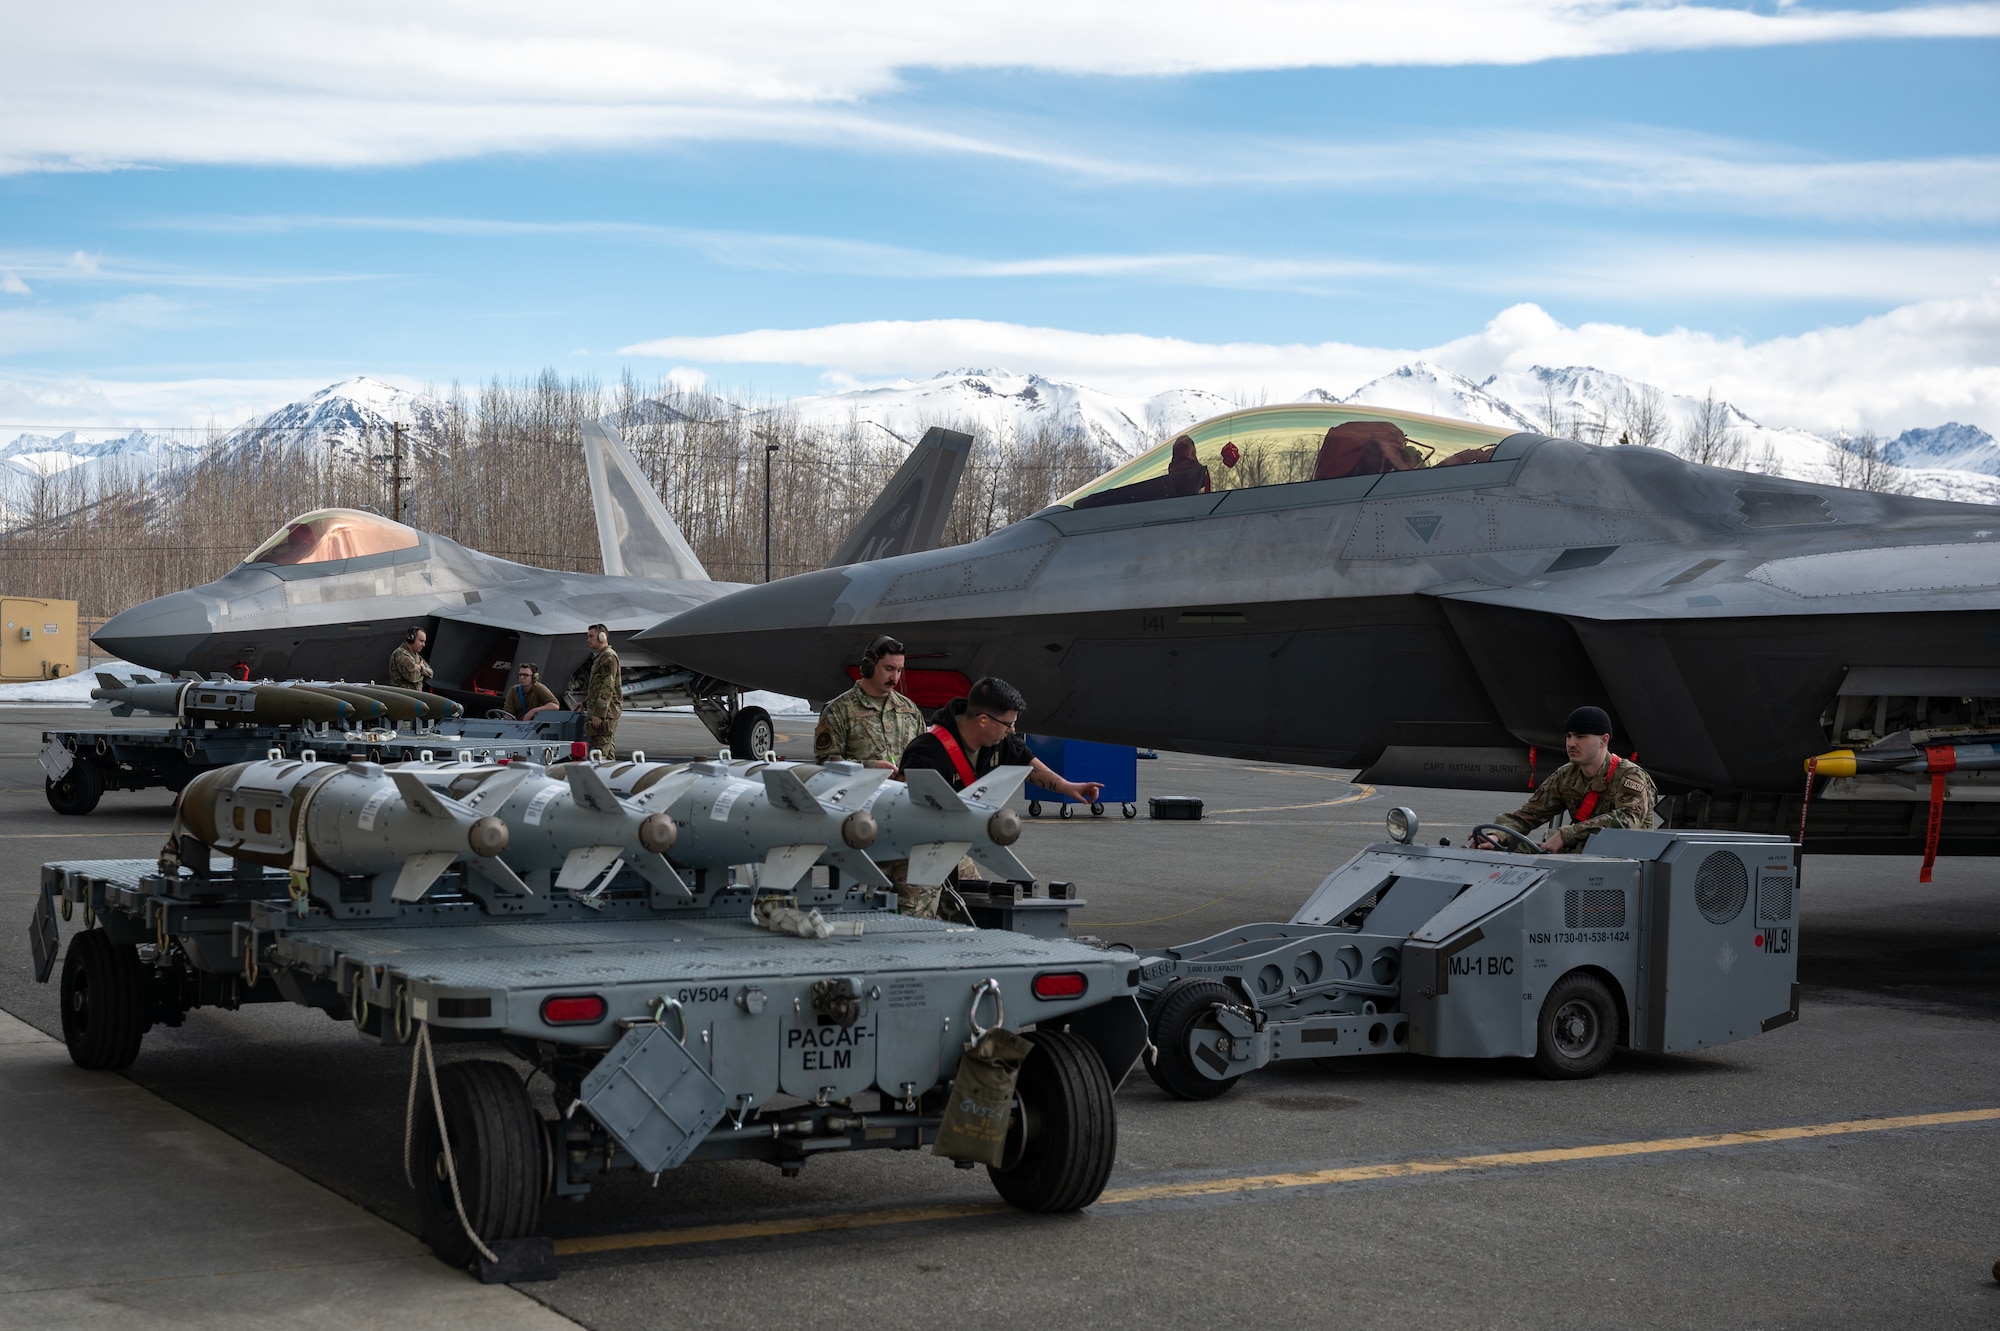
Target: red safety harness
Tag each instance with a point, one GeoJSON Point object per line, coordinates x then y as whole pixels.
{"type": "Point", "coordinates": [1587, 806]}
{"type": "Point", "coordinates": [956, 753]}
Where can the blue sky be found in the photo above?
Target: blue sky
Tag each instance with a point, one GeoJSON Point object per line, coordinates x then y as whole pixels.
{"type": "Point", "coordinates": [1798, 206]}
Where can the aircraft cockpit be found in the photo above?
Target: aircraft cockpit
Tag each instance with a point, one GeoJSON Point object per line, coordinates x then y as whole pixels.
{"type": "Point", "coordinates": [1286, 445]}
{"type": "Point", "coordinates": [333, 535]}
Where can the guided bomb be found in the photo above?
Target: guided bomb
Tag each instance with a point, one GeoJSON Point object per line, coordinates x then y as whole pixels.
{"type": "Point", "coordinates": [569, 824]}
{"type": "Point", "coordinates": [922, 819]}
{"type": "Point", "coordinates": [252, 704]}
{"type": "Point", "coordinates": [354, 819]}
{"type": "Point", "coordinates": [1958, 753]}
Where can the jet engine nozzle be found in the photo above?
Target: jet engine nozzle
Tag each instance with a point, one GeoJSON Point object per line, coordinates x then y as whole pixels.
{"type": "Point", "coordinates": [1004, 827]}
{"type": "Point", "coordinates": [658, 833]}
{"type": "Point", "coordinates": [858, 829]}
{"type": "Point", "coordinates": [487, 836]}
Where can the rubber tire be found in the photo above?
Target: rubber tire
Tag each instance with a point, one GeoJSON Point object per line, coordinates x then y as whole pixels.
{"type": "Point", "coordinates": [1068, 1096]}
{"type": "Point", "coordinates": [1096, 809]}
{"type": "Point", "coordinates": [78, 791]}
{"type": "Point", "coordinates": [1066, 811]}
{"type": "Point", "coordinates": [500, 1149]}
{"type": "Point", "coordinates": [751, 734]}
{"type": "Point", "coordinates": [1551, 1061]}
{"type": "Point", "coordinates": [1131, 811]}
{"type": "Point", "coordinates": [1173, 1016]}
{"type": "Point", "coordinates": [1034, 808]}
{"type": "Point", "coordinates": [103, 1001]}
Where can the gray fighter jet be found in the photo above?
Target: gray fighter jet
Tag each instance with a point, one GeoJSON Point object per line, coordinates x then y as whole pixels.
{"type": "Point", "coordinates": [332, 593]}
{"type": "Point", "coordinates": [1427, 599]}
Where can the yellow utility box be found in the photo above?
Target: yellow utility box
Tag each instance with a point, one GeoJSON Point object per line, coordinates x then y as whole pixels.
{"type": "Point", "coordinates": [39, 640]}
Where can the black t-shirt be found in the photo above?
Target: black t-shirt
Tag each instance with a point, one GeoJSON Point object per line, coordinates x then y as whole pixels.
{"type": "Point", "coordinates": [927, 750]}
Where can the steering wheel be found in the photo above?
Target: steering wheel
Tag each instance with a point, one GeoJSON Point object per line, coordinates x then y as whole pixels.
{"type": "Point", "coordinates": [1510, 839]}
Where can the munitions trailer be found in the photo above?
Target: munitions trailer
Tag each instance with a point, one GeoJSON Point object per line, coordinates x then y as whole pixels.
{"type": "Point", "coordinates": [1657, 941]}
{"type": "Point", "coordinates": [669, 1034]}
{"type": "Point", "coordinates": [78, 766]}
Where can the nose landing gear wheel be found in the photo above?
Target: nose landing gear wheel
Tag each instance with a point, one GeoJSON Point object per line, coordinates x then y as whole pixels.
{"type": "Point", "coordinates": [751, 734]}
{"type": "Point", "coordinates": [1577, 1029]}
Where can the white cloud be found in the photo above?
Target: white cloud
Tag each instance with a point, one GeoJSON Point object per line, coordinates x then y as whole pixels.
{"type": "Point", "coordinates": [14, 286]}
{"type": "Point", "coordinates": [372, 81]}
{"type": "Point", "coordinates": [30, 401]}
{"type": "Point", "coordinates": [687, 378]}
{"type": "Point", "coordinates": [1919, 364]}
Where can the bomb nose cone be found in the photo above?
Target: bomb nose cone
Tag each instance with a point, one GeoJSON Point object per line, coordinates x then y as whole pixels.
{"type": "Point", "coordinates": [487, 837]}
{"type": "Point", "coordinates": [658, 833]}
{"type": "Point", "coordinates": [1004, 827]}
{"type": "Point", "coordinates": [858, 829]}
{"type": "Point", "coordinates": [160, 634]}
{"type": "Point", "coordinates": [1839, 762]}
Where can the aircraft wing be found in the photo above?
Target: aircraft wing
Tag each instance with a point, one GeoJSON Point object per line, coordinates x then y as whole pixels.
{"type": "Point", "coordinates": [909, 515]}
{"type": "Point", "coordinates": [636, 535]}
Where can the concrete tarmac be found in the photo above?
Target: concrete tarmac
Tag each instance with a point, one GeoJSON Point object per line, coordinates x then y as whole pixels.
{"type": "Point", "coordinates": [1831, 1173]}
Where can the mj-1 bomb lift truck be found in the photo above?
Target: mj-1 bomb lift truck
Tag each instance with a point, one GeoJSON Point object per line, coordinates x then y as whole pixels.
{"type": "Point", "coordinates": [1658, 941]}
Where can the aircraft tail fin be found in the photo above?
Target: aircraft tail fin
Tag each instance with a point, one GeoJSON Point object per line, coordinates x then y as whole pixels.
{"type": "Point", "coordinates": [635, 533]}
{"type": "Point", "coordinates": [910, 513]}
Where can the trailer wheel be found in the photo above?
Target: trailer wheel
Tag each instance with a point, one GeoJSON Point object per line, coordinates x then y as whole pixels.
{"type": "Point", "coordinates": [1577, 1030]}
{"type": "Point", "coordinates": [103, 1001]}
{"type": "Point", "coordinates": [1066, 1127]}
{"type": "Point", "coordinates": [78, 790]}
{"type": "Point", "coordinates": [498, 1147]}
{"type": "Point", "coordinates": [1034, 808]}
{"type": "Point", "coordinates": [751, 735]}
{"type": "Point", "coordinates": [1178, 1014]}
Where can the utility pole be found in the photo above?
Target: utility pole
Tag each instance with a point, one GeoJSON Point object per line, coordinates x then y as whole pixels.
{"type": "Point", "coordinates": [769, 450]}
{"type": "Point", "coordinates": [396, 473]}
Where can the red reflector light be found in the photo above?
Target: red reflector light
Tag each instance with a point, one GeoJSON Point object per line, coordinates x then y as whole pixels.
{"type": "Point", "coordinates": [572, 1009]}
{"type": "Point", "coordinates": [579, 750]}
{"type": "Point", "coordinates": [1061, 984]}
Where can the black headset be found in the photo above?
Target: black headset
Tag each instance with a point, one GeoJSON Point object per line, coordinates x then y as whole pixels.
{"type": "Point", "coordinates": [410, 635]}
{"type": "Point", "coordinates": [881, 647]}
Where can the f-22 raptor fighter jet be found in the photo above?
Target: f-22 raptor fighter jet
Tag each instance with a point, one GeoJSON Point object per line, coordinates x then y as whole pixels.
{"type": "Point", "coordinates": [1426, 600]}
{"type": "Point", "coordinates": [332, 593]}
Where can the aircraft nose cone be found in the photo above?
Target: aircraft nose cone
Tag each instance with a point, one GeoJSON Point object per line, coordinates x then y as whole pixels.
{"type": "Point", "coordinates": [159, 634]}
{"type": "Point", "coordinates": [776, 636]}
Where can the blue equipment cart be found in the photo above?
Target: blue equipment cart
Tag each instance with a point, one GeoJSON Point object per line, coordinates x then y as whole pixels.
{"type": "Point", "coordinates": [1116, 765]}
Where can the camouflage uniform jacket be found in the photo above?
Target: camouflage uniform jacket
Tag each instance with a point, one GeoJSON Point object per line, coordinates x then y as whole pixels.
{"type": "Point", "coordinates": [862, 729]}
{"type": "Point", "coordinates": [407, 670]}
{"type": "Point", "coordinates": [601, 699]}
{"type": "Point", "coordinates": [1625, 799]}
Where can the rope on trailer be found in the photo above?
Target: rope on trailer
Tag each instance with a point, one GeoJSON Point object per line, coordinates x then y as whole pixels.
{"type": "Point", "coordinates": [421, 1059]}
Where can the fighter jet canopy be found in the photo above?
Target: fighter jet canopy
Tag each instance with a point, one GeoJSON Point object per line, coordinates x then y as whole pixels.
{"type": "Point", "coordinates": [1281, 445]}
{"type": "Point", "coordinates": [332, 534]}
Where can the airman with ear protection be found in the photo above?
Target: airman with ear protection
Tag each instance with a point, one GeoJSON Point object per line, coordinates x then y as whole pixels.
{"type": "Point", "coordinates": [871, 722]}
{"type": "Point", "coordinates": [407, 667]}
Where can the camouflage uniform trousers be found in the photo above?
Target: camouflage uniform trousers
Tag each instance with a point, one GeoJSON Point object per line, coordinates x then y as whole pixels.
{"type": "Point", "coordinates": [1625, 798]}
{"type": "Point", "coordinates": [926, 903]}
{"type": "Point", "coordinates": [602, 703]}
{"type": "Point", "coordinates": [407, 670]}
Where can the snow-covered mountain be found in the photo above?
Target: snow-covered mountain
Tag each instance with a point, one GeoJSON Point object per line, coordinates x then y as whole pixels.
{"type": "Point", "coordinates": [142, 451]}
{"type": "Point", "coordinates": [1951, 445]}
{"type": "Point", "coordinates": [352, 419]}
{"type": "Point", "coordinates": [1004, 403]}
{"type": "Point", "coordinates": [1422, 386]}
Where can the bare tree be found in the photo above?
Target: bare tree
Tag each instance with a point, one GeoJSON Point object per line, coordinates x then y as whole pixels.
{"type": "Point", "coordinates": [1860, 462]}
{"type": "Point", "coordinates": [1708, 438]}
{"type": "Point", "coordinates": [1642, 418]}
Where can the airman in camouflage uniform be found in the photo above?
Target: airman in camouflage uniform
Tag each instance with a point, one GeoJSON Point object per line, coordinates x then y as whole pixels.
{"type": "Point", "coordinates": [865, 729]}
{"type": "Point", "coordinates": [602, 702]}
{"type": "Point", "coordinates": [872, 723]}
{"type": "Point", "coordinates": [1624, 793]}
{"type": "Point", "coordinates": [407, 667]}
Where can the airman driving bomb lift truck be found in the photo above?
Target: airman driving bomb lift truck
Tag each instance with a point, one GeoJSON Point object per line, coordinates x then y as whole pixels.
{"type": "Point", "coordinates": [1656, 941]}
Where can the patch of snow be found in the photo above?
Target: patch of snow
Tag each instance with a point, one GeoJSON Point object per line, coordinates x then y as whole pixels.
{"type": "Point", "coordinates": [70, 690]}
{"type": "Point", "coordinates": [1950, 446]}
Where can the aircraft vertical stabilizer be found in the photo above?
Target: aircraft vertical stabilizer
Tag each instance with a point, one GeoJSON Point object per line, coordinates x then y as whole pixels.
{"type": "Point", "coordinates": [634, 531]}
{"type": "Point", "coordinates": [909, 515]}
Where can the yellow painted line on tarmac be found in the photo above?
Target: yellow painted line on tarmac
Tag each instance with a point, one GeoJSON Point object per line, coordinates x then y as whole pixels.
{"type": "Point", "coordinates": [1251, 1183]}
